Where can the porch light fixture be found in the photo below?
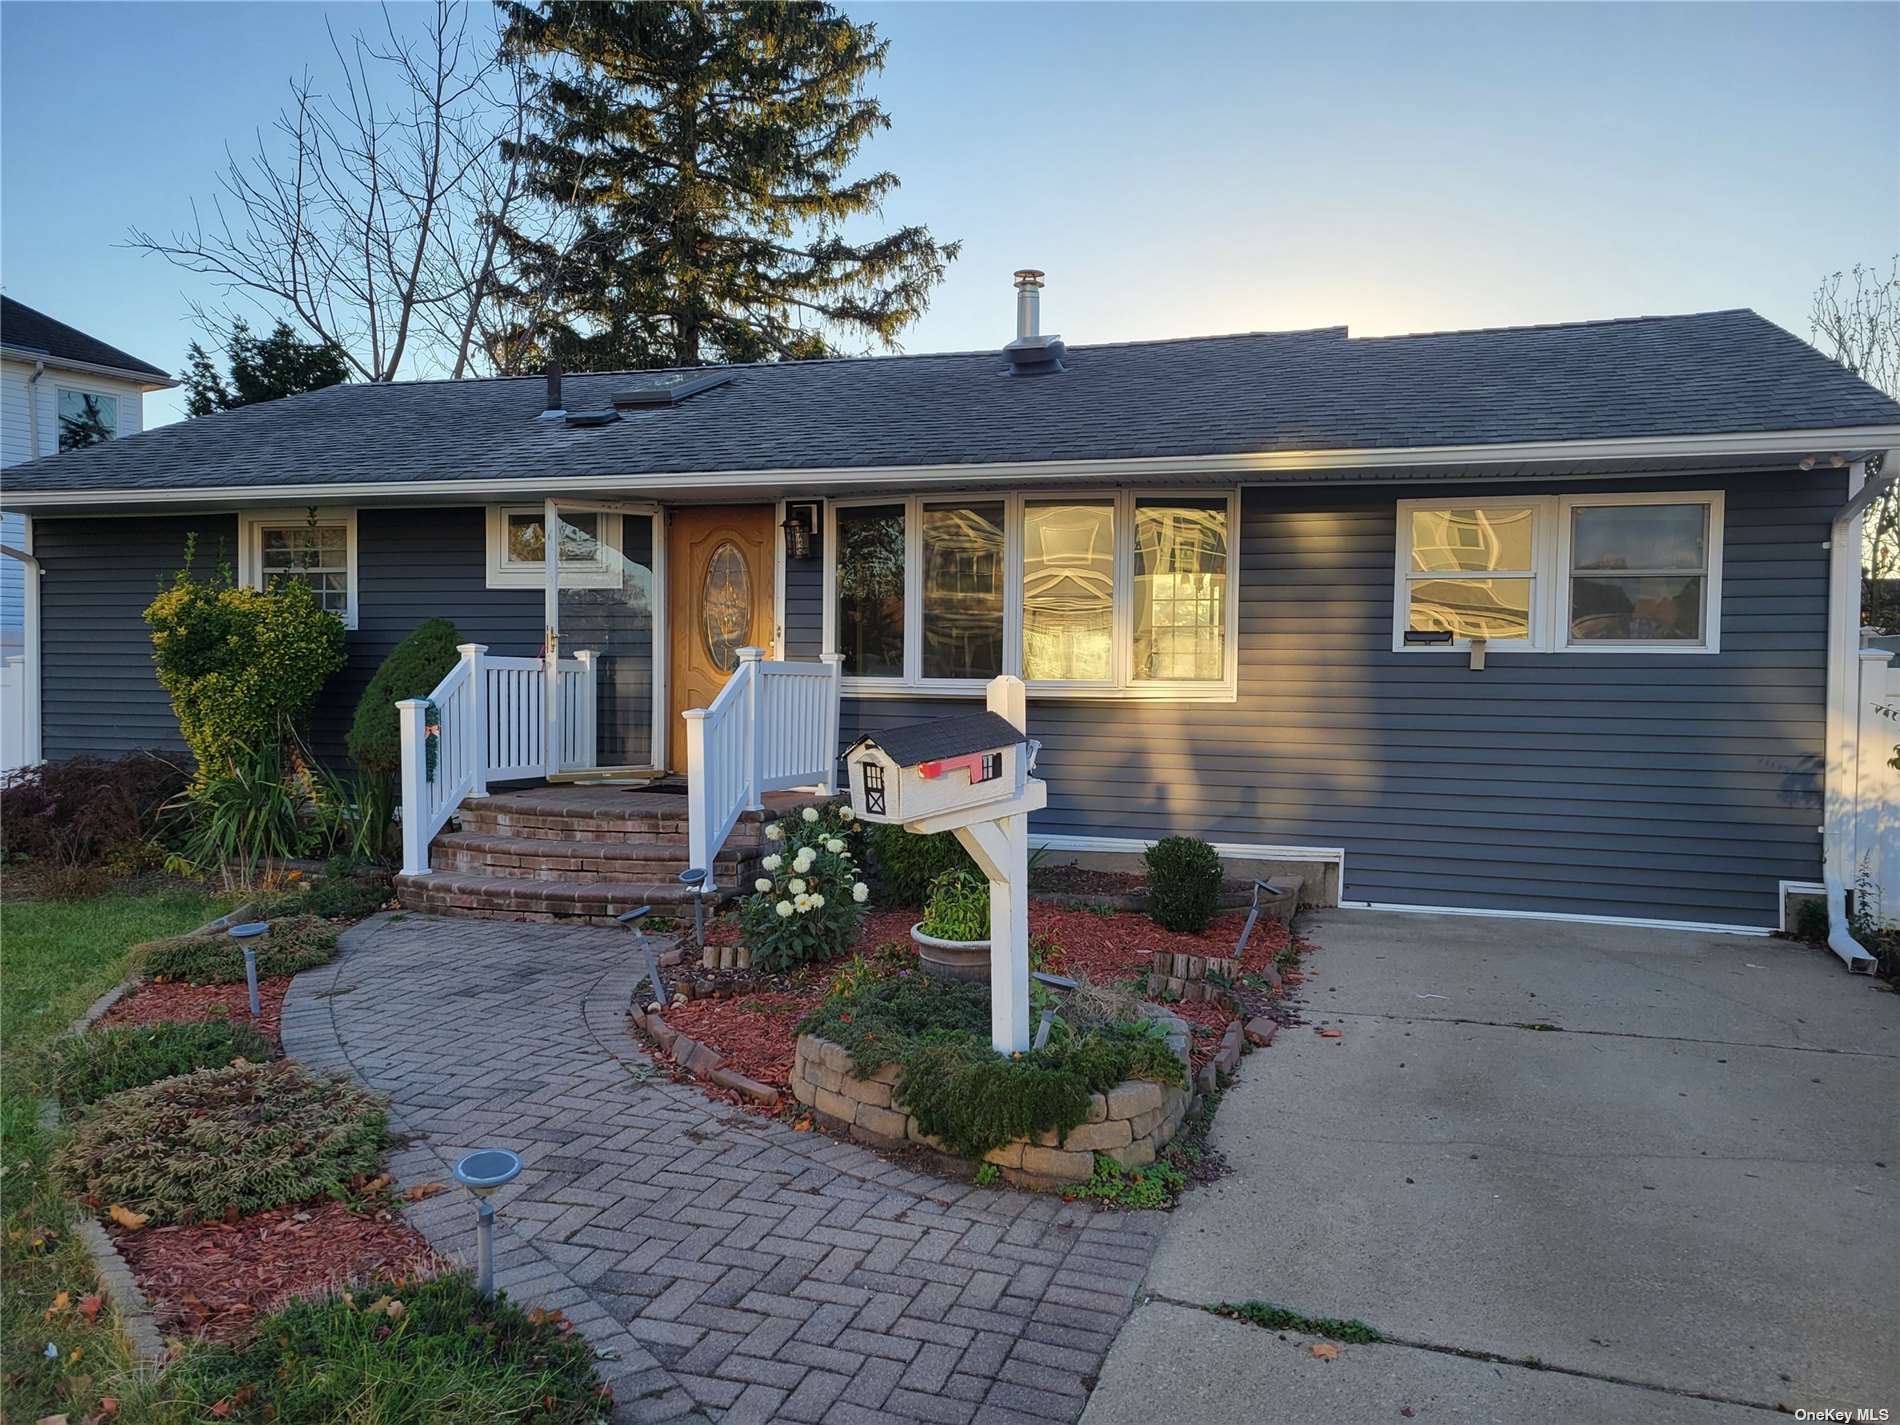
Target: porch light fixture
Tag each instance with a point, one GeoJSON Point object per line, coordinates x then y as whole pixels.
{"type": "Point", "coordinates": [484, 1173]}
{"type": "Point", "coordinates": [801, 523]}
{"type": "Point", "coordinates": [244, 934]}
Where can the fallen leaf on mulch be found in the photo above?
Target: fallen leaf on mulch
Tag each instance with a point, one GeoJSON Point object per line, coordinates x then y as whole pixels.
{"type": "Point", "coordinates": [178, 1003]}
{"type": "Point", "coordinates": [128, 1219]}
{"type": "Point", "coordinates": [215, 1280]}
{"type": "Point", "coordinates": [1325, 1350]}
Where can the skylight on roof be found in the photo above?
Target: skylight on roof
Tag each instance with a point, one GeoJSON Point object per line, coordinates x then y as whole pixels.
{"type": "Point", "coordinates": [668, 388]}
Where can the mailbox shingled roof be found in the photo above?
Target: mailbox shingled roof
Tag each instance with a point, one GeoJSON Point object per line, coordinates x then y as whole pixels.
{"type": "Point", "coordinates": [944, 737]}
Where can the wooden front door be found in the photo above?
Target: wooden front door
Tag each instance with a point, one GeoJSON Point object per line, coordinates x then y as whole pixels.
{"type": "Point", "coordinates": [719, 577]}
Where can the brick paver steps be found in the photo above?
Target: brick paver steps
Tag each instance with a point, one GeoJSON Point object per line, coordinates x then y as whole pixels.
{"type": "Point", "coordinates": [725, 1267]}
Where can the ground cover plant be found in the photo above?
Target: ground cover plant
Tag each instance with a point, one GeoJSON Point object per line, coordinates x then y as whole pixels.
{"type": "Point", "coordinates": [391, 1351]}
{"type": "Point", "coordinates": [292, 945]}
{"type": "Point", "coordinates": [222, 1141]}
{"type": "Point", "coordinates": [81, 1069]}
{"type": "Point", "coordinates": [60, 955]}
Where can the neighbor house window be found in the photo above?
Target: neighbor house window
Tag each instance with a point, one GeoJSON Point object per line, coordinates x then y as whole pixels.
{"type": "Point", "coordinates": [317, 549]}
{"type": "Point", "coordinates": [86, 418]}
{"type": "Point", "coordinates": [518, 543]}
{"type": "Point", "coordinates": [1632, 572]}
{"type": "Point", "coordinates": [1083, 595]}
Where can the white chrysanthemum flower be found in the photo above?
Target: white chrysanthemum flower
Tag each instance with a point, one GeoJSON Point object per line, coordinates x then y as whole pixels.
{"type": "Point", "coordinates": [845, 813]}
{"type": "Point", "coordinates": [817, 902]}
{"type": "Point", "coordinates": [784, 908]}
{"type": "Point", "coordinates": [802, 861]}
{"type": "Point", "coordinates": [795, 886]}
{"type": "Point", "coordinates": [803, 903]}
{"type": "Point", "coordinates": [835, 846]}
{"type": "Point", "coordinates": [762, 885]}
{"type": "Point", "coordinates": [772, 833]}
{"type": "Point", "coordinates": [810, 813]}
{"type": "Point", "coordinates": [860, 893]}
{"type": "Point", "coordinates": [773, 862]}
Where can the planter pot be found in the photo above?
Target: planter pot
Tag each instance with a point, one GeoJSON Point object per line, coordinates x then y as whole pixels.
{"type": "Point", "coordinates": [961, 959]}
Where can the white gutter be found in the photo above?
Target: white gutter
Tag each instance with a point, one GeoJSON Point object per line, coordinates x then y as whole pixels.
{"type": "Point", "coordinates": [1840, 854]}
{"type": "Point", "coordinates": [144, 379]}
{"type": "Point", "coordinates": [1847, 443]}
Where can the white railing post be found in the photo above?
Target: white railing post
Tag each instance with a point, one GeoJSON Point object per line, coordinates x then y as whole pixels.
{"type": "Point", "coordinates": [828, 754]}
{"type": "Point", "coordinates": [477, 716]}
{"type": "Point", "coordinates": [698, 795]}
{"type": "Point", "coordinates": [412, 718]}
{"type": "Point", "coordinates": [1876, 815]}
{"type": "Point", "coordinates": [753, 694]}
{"type": "Point", "coordinates": [587, 709]}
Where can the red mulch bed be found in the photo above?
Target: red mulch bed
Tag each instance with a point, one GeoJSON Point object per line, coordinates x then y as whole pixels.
{"type": "Point", "coordinates": [178, 1003]}
{"type": "Point", "coordinates": [753, 1027]}
{"type": "Point", "coordinates": [217, 1279]}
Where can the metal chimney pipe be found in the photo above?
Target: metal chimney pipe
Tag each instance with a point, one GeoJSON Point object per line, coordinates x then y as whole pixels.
{"type": "Point", "coordinates": [554, 386]}
{"type": "Point", "coordinates": [1028, 303]}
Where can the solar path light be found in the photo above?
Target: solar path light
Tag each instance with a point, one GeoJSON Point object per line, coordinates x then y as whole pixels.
{"type": "Point", "coordinates": [485, 1172]}
{"type": "Point", "coordinates": [695, 877]}
{"type": "Point", "coordinates": [244, 934]}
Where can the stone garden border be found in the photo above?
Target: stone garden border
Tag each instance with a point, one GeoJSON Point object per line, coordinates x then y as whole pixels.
{"type": "Point", "coordinates": [1131, 1122]}
{"type": "Point", "coordinates": [700, 1061]}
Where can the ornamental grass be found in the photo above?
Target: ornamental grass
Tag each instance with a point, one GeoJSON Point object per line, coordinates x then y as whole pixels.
{"type": "Point", "coordinates": [223, 1141]}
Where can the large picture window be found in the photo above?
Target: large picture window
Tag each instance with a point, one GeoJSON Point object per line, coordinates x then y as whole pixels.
{"type": "Point", "coordinates": [1085, 595]}
{"type": "Point", "coordinates": [1632, 572]}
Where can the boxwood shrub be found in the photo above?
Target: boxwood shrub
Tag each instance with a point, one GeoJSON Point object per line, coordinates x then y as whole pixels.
{"type": "Point", "coordinates": [411, 670]}
{"type": "Point", "coordinates": [429, 1350]}
{"type": "Point", "coordinates": [84, 1068]}
{"type": "Point", "coordinates": [295, 944]}
{"type": "Point", "coordinates": [193, 1148]}
{"type": "Point", "coordinates": [1183, 883]}
{"type": "Point", "coordinates": [903, 866]}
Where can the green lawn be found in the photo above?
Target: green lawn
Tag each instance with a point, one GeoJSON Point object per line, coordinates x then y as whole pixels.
{"type": "Point", "coordinates": [56, 957]}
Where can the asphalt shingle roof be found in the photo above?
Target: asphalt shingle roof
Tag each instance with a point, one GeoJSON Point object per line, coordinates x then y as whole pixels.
{"type": "Point", "coordinates": [941, 737]}
{"type": "Point", "coordinates": [1711, 373]}
{"type": "Point", "coordinates": [22, 326]}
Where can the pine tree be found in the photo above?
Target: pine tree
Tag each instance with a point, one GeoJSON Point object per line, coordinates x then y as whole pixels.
{"type": "Point", "coordinates": [262, 369]}
{"type": "Point", "coordinates": [700, 149]}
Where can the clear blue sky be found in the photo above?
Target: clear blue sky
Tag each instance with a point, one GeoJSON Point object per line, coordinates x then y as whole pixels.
{"type": "Point", "coordinates": [1177, 169]}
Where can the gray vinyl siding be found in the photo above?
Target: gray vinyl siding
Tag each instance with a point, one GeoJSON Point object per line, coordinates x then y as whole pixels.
{"type": "Point", "coordinates": [1675, 787]}
{"type": "Point", "coordinates": [804, 616]}
{"type": "Point", "coordinates": [99, 693]}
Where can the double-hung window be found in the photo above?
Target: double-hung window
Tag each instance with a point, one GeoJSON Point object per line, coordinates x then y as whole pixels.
{"type": "Point", "coordinates": [1625, 572]}
{"type": "Point", "coordinates": [1113, 594]}
{"type": "Point", "coordinates": [318, 549]}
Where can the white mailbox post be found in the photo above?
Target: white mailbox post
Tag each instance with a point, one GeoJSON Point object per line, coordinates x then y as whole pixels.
{"type": "Point", "coordinates": [969, 775]}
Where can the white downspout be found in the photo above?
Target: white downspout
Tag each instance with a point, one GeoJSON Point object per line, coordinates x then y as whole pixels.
{"type": "Point", "coordinates": [1839, 852]}
{"type": "Point", "coordinates": [33, 410]}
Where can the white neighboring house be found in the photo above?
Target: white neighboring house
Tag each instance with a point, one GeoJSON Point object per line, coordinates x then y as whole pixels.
{"type": "Point", "coordinates": [59, 389]}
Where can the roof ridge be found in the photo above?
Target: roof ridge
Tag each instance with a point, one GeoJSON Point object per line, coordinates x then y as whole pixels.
{"type": "Point", "coordinates": [1568, 326]}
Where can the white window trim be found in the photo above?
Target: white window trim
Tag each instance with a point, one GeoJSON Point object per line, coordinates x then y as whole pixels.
{"type": "Point", "coordinates": [1551, 578]}
{"type": "Point", "coordinates": [1711, 582]}
{"type": "Point", "coordinates": [115, 397]}
{"type": "Point", "coordinates": [251, 525]}
{"type": "Point", "coordinates": [1121, 686]}
{"type": "Point", "coordinates": [506, 573]}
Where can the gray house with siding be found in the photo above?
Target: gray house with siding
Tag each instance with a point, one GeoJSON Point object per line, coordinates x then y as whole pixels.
{"type": "Point", "coordinates": [1546, 620]}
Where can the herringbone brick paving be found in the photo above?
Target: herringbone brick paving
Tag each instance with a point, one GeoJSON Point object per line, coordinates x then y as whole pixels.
{"type": "Point", "coordinates": [723, 1266]}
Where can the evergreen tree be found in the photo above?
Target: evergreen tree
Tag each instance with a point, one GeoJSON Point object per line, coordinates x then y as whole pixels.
{"type": "Point", "coordinates": [262, 369]}
{"type": "Point", "coordinates": [700, 150]}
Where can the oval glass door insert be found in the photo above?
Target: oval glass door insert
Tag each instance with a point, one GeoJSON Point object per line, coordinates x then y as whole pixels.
{"type": "Point", "coordinates": [726, 606]}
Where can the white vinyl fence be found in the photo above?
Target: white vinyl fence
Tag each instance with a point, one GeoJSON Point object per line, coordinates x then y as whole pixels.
{"type": "Point", "coordinates": [1877, 782]}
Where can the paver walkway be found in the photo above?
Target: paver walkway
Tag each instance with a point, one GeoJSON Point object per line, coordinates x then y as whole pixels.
{"type": "Point", "coordinates": [725, 1266]}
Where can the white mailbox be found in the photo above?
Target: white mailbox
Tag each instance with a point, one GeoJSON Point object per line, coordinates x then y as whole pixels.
{"type": "Point", "coordinates": [925, 769]}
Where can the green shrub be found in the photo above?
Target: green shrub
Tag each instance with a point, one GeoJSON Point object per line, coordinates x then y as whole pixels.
{"type": "Point", "coordinates": [904, 866]}
{"type": "Point", "coordinates": [959, 907]}
{"type": "Point", "coordinates": [1183, 883]}
{"type": "Point", "coordinates": [84, 1068]}
{"type": "Point", "coordinates": [959, 1088]}
{"type": "Point", "coordinates": [301, 942]}
{"type": "Point", "coordinates": [411, 670]}
{"type": "Point", "coordinates": [241, 665]}
{"type": "Point", "coordinates": [1810, 921]}
{"type": "Point", "coordinates": [394, 1352]}
{"type": "Point", "coordinates": [345, 890]}
{"type": "Point", "coordinates": [190, 1149]}
{"type": "Point", "coordinates": [806, 904]}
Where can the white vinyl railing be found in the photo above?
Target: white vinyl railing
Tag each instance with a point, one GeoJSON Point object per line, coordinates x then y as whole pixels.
{"type": "Point", "coordinates": [491, 725]}
{"type": "Point", "coordinates": [773, 726]}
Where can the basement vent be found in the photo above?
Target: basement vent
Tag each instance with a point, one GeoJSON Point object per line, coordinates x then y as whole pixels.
{"type": "Point", "coordinates": [668, 388]}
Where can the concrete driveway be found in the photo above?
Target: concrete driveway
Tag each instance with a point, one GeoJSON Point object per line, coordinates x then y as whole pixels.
{"type": "Point", "coordinates": [1664, 1167]}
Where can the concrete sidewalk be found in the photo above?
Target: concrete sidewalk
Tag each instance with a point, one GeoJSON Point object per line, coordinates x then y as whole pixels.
{"type": "Point", "coordinates": [1669, 1163]}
